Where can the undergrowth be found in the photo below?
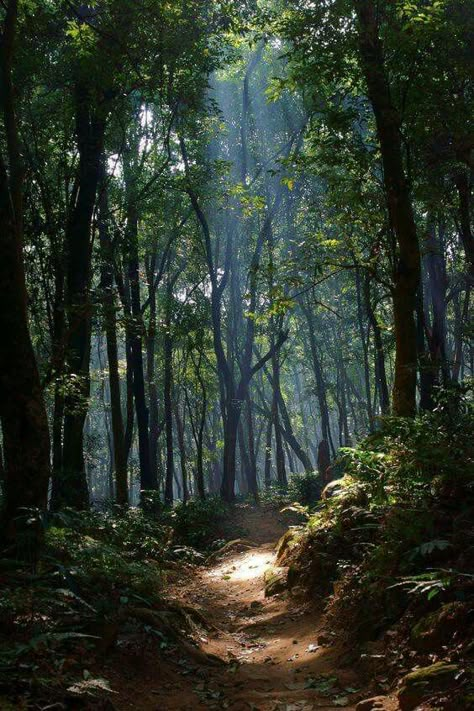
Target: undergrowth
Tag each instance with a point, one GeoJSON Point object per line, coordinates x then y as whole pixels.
{"type": "Point", "coordinates": [400, 525]}
{"type": "Point", "coordinates": [390, 548]}
{"type": "Point", "coordinates": [96, 570]}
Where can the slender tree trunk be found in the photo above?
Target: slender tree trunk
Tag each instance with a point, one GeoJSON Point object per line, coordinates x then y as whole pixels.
{"type": "Point", "coordinates": [324, 461]}
{"type": "Point", "coordinates": [182, 451]}
{"type": "Point", "coordinates": [436, 287]}
{"type": "Point", "coordinates": [407, 273]}
{"type": "Point", "coordinates": [252, 473]}
{"type": "Point", "coordinates": [279, 451]}
{"type": "Point", "coordinates": [427, 372]}
{"type": "Point", "coordinates": [90, 128]}
{"type": "Point", "coordinates": [320, 384]}
{"type": "Point", "coordinates": [244, 460]}
{"type": "Point", "coordinates": [230, 444]}
{"type": "Point", "coordinates": [461, 318]}
{"type": "Point", "coordinates": [380, 372]}
{"type": "Point", "coordinates": [129, 409]}
{"type": "Point", "coordinates": [58, 373]}
{"type": "Point", "coordinates": [268, 453]}
{"type": "Point", "coordinates": [110, 325]}
{"type": "Point", "coordinates": [147, 481]}
{"type": "Point", "coordinates": [365, 349]}
{"type": "Point", "coordinates": [151, 378]}
{"type": "Point", "coordinates": [168, 405]}
{"type": "Point", "coordinates": [467, 238]}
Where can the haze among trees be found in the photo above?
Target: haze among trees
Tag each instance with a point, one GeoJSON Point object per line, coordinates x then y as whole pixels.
{"type": "Point", "coordinates": [236, 239]}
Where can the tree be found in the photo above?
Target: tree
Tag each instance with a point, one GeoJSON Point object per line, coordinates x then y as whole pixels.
{"type": "Point", "coordinates": [22, 410]}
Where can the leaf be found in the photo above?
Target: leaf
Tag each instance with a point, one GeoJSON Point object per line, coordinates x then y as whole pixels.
{"type": "Point", "coordinates": [341, 701]}
{"type": "Point", "coordinates": [91, 686]}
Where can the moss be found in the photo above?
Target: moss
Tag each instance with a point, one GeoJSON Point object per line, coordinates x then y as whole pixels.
{"type": "Point", "coordinates": [423, 683]}
{"type": "Point", "coordinates": [437, 629]}
{"type": "Point", "coordinates": [287, 543]}
{"type": "Point", "coordinates": [276, 581]}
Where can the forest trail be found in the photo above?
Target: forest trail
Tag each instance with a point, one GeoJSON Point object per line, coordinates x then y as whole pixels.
{"type": "Point", "coordinates": [269, 645]}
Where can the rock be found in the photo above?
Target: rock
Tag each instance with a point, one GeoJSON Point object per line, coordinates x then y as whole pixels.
{"type": "Point", "coordinates": [345, 488]}
{"type": "Point", "coordinates": [324, 640]}
{"type": "Point", "coordinates": [286, 543]}
{"type": "Point", "coordinates": [276, 581]}
{"type": "Point", "coordinates": [435, 630]}
{"type": "Point", "coordinates": [422, 683]}
{"type": "Point", "coordinates": [376, 703]}
{"type": "Point", "coordinates": [334, 488]}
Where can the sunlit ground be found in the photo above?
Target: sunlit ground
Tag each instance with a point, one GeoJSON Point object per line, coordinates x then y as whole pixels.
{"type": "Point", "coordinates": [249, 566]}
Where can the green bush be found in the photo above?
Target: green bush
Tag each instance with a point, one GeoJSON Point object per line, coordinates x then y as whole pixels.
{"type": "Point", "coordinates": [413, 459]}
{"type": "Point", "coordinates": [305, 488]}
{"type": "Point", "coordinates": [402, 520]}
{"type": "Point", "coordinates": [199, 523]}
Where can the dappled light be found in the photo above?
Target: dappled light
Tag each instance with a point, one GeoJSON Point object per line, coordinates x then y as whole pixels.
{"type": "Point", "coordinates": [245, 568]}
{"type": "Point", "coordinates": [236, 355]}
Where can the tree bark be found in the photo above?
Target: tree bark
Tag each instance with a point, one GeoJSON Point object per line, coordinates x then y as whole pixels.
{"type": "Point", "coordinates": [90, 128]}
{"type": "Point", "coordinates": [147, 481]}
{"type": "Point", "coordinates": [467, 238]}
{"type": "Point", "coordinates": [168, 403]}
{"type": "Point", "coordinates": [407, 272]}
{"type": "Point", "coordinates": [23, 416]}
{"type": "Point", "coordinates": [380, 371]}
{"type": "Point", "coordinates": [182, 451]}
{"type": "Point", "coordinates": [110, 326]}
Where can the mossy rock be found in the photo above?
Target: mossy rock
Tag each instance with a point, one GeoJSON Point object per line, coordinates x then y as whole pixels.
{"type": "Point", "coordinates": [276, 581]}
{"type": "Point", "coordinates": [344, 489]}
{"type": "Point", "coordinates": [437, 629]}
{"type": "Point", "coordinates": [286, 544]}
{"type": "Point", "coordinates": [423, 683]}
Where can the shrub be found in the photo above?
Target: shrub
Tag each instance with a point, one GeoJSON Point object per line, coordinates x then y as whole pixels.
{"type": "Point", "coordinates": [199, 523]}
{"type": "Point", "coordinates": [305, 488]}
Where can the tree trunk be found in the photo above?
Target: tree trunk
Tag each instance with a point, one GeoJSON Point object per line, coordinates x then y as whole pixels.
{"type": "Point", "coordinates": [320, 384]}
{"type": "Point", "coordinates": [230, 444]}
{"type": "Point", "coordinates": [110, 326]}
{"type": "Point", "coordinates": [268, 454]}
{"type": "Point", "coordinates": [90, 134]}
{"type": "Point", "coordinates": [324, 461]}
{"type": "Point", "coordinates": [168, 405]}
{"type": "Point", "coordinates": [365, 349]}
{"type": "Point", "coordinates": [467, 238]}
{"type": "Point", "coordinates": [151, 378]}
{"type": "Point", "coordinates": [279, 451]}
{"type": "Point", "coordinates": [380, 371]}
{"type": "Point", "coordinates": [147, 481]}
{"type": "Point", "coordinates": [182, 452]}
{"type": "Point", "coordinates": [23, 416]}
{"type": "Point", "coordinates": [407, 273]}
{"type": "Point", "coordinates": [252, 473]}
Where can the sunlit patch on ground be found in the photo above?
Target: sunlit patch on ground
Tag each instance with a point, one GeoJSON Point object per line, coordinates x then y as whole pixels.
{"type": "Point", "coordinates": [249, 566]}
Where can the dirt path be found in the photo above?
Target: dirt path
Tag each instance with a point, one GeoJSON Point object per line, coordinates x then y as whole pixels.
{"type": "Point", "coordinates": [270, 645]}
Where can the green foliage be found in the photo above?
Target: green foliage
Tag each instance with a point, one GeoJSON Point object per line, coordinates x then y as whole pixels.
{"type": "Point", "coordinates": [413, 459]}
{"type": "Point", "coordinates": [109, 557]}
{"type": "Point", "coordinates": [305, 488]}
{"type": "Point", "coordinates": [201, 523]}
{"type": "Point", "coordinates": [399, 527]}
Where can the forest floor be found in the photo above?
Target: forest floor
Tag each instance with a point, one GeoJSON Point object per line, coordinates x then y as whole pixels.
{"type": "Point", "coordinates": [275, 652]}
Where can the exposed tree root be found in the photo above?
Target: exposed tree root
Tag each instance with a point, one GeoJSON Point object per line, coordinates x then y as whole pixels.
{"type": "Point", "coordinates": [166, 622]}
{"type": "Point", "coordinates": [244, 542]}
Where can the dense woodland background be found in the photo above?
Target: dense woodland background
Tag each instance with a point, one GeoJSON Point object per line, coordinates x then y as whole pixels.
{"type": "Point", "coordinates": [233, 237]}
{"type": "Point", "coordinates": [236, 263]}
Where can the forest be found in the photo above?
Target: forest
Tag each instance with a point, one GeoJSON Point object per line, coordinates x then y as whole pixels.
{"type": "Point", "coordinates": [236, 354]}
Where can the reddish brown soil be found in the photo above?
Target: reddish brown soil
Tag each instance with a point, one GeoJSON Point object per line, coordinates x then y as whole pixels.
{"type": "Point", "coordinates": [265, 644]}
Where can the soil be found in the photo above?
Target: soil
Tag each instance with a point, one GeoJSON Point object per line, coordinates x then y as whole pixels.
{"type": "Point", "coordinates": [272, 653]}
